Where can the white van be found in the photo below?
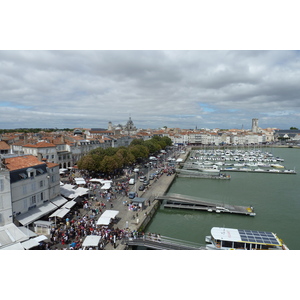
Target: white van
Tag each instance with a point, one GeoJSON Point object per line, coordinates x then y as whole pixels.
{"type": "Point", "coordinates": [131, 181]}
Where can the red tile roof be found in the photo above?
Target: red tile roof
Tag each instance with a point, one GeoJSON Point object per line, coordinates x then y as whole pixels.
{"type": "Point", "coordinates": [4, 146]}
{"type": "Point", "coordinates": [22, 162]}
{"type": "Point", "coordinates": [40, 145]}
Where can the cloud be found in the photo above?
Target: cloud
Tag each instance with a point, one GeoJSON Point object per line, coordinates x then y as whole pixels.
{"type": "Point", "coordinates": [156, 88]}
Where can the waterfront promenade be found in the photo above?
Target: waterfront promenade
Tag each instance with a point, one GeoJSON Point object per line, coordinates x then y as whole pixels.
{"type": "Point", "coordinates": [136, 220]}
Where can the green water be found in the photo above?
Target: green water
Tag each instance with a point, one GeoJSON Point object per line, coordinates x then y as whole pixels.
{"type": "Point", "coordinates": [275, 198]}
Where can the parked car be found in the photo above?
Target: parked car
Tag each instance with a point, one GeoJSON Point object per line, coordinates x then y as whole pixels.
{"type": "Point", "coordinates": [131, 195]}
{"type": "Point", "coordinates": [143, 178]}
{"type": "Point", "coordinates": [151, 176]}
{"type": "Point", "coordinates": [141, 187]}
{"type": "Point", "coordinates": [146, 182]}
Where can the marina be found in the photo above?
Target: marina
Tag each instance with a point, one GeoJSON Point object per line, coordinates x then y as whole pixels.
{"type": "Point", "coordinates": [275, 199]}
{"type": "Point", "coordinates": [216, 161]}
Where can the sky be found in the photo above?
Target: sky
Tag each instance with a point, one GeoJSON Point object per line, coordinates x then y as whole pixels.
{"type": "Point", "coordinates": [185, 89]}
{"type": "Point", "coordinates": [67, 76]}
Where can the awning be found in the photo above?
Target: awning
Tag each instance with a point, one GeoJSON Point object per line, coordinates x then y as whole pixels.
{"type": "Point", "coordinates": [16, 246]}
{"type": "Point", "coordinates": [33, 242]}
{"type": "Point", "coordinates": [10, 234]}
{"type": "Point", "coordinates": [67, 190]}
{"type": "Point", "coordinates": [59, 201]}
{"type": "Point", "coordinates": [69, 204]}
{"type": "Point", "coordinates": [36, 213]}
{"type": "Point", "coordinates": [60, 213]}
{"type": "Point", "coordinates": [30, 244]}
{"type": "Point", "coordinates": [27, 231]}
{"type": "Point", "coordinates": [91, 241]}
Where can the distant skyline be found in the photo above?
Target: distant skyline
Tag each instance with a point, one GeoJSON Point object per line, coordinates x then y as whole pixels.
{"type": "Point", "coordinates": [185, 89]}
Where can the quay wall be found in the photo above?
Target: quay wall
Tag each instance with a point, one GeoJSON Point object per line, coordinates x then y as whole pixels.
{"type": "Point", "coordinates": [162, 187]}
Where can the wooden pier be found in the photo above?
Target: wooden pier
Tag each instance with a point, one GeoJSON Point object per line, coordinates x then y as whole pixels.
{"type": "Point", "coordinates": [185, 202]}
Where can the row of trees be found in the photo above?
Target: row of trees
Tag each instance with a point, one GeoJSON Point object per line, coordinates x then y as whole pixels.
{"type": "Point", "coordinates": [33, 130]}
{"type": "Point", "coordinates": [113, 160]}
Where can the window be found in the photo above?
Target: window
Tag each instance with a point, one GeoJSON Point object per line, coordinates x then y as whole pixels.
{"type": "Point", "coordinates": [40, 171]}
{"type": "Point", "coordinates": [33, 186]}
{"type": "Point", "coordinates": [1, 202]}
{"type": "Point", "coordinates": [42, 196]}
{"type": "Point", "coordinates": [24, 189]}
{"type": "Point", "coordinates": [1, 185]}
{"type": "Point", "coordinates": [33, 200]}
{"type": "Point", "coordinates": [23, 175]}
{"type": "Point", "coordinates": [41, 183]}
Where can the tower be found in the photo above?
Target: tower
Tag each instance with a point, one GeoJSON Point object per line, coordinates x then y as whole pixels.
{"type": "Point", "coordinates": [255, 125]}
{"type": "Point", "coordinates": [110, 127]}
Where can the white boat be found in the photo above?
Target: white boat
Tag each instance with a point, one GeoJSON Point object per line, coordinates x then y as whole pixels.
{"type": "Point", "coordinates": [290, 171]}
{"type": "Point", "coordinates": [239, 239]}
{"type": "Point", "coordinates": [277, 166]}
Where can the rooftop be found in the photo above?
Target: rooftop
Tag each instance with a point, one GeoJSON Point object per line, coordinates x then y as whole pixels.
{"type": "Point", "coordinates": [21, 162]}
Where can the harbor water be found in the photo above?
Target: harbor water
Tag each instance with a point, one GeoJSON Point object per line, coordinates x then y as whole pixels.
{"type": "Point", "coordinates": [275, 198]}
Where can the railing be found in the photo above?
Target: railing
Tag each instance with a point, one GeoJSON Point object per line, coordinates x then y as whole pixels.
{"type": "Point", "coordinates": [162, 243]}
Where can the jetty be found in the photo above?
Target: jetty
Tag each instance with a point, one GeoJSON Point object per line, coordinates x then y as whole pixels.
{"type": "Point", "coordinates": [248, 170]}
{"type": "Point", "coordinates": [197, 174]}
{"type": "Point", "coordinates": [186, 202]}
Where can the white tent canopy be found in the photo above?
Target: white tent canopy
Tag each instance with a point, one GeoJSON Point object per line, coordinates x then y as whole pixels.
{"type": "Point", "coordinates": [69, 191]}
{"type": "Point", "coordinates": [59, 201]}
{"type": "Point", "coordinates": [79, 181]}
{"type": "Point", "coordinates": [33, 242]}
{"type": "Point", "coordinates": [107, 216]}
{"type": "Point", "coordinates": [10, 234]}
{"type": "Point", "coordinates": [60, 213]}
{"type": "Point", "coordinates": [69, 204]}
{"type": "Point", "coordinates": [91, 241]}
{"type": "Point", "coordinates": [106, 186]}
{"type": "Point", "coordinates": [16, 246]}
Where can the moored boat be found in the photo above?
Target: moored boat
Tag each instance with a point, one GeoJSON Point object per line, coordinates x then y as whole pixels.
{"type": "Point", "coordinates": [239, 239]}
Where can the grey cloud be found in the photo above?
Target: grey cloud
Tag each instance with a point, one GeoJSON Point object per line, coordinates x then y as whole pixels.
{"type": "Point", "coordinates": [156, 88]}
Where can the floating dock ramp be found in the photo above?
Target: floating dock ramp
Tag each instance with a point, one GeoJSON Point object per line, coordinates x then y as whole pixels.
{"type": "Point", "coordinates": [163, 243]}
{"type": "Point", "coordinates": [186, 202]}
{"type": "Point", "coordinates": [198, 174]}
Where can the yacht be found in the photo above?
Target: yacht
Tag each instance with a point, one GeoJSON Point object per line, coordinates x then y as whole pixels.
{"type": "Point", "coordinates": [238, 239]}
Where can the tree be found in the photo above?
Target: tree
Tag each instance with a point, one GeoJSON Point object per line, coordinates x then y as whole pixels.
{"type": "Point", "coordinates": [294, 128]}
{"type": "Point", "coordinates": [137, 142]}
{"type": "Point", "coordinates": [109, 164]}
{"type": "Point", "coordinates": [89, 162]}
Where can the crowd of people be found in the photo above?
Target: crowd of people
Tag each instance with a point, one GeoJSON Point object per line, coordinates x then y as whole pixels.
{"type": "Point", "coordinates": [81, 221]}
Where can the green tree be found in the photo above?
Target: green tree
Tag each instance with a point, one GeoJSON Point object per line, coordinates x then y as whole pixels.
{"type": "Point", "coordinates": [109, 164]}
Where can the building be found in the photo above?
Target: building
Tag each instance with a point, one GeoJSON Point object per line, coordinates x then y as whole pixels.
{"type": "Point", "coordinates": [254, 125]}
{"type": "Point", "coordinates": [4, 147]}
{"type": "Point", "coordinates": [33, 191]}
{"type": "Point", "coordinates": [127, 129]}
